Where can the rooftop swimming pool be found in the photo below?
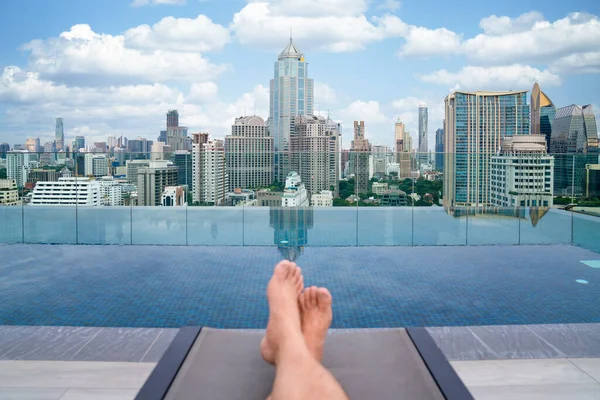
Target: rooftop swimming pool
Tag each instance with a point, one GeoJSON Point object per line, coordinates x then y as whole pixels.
{"type": "Point", "coordinates": [224, 286]}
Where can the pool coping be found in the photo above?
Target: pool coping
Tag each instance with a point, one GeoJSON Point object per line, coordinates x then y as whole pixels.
{"type": "Point", "coordinates": [147, 345]}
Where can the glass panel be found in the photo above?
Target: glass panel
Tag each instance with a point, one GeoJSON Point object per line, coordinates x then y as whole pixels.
{"type": "Point", "coordinates": [163, 226]}
{"type": "Point", "coordinates": [11, 228]}
{"type": "Point", "coordinates": [494, 226]}
{"type": "Point", "coordinates": [50, 224]}
{"type": "Point", "coordinates": [259, 226]}
{"type": "Point", "coordinates": [215, 226]}
{"type": "Point", "coordinates": [334, 227]}
{"type": "Point", "coordinates": [104, 225]}
{"type": "Point", "coordinates": [586, 231]}
{"type": "Point", "coordinates": [433, 226]}
{"type": "Point", "coordinates": [385, 226]}
{"type": "Point", "coordinates": [542, 225]}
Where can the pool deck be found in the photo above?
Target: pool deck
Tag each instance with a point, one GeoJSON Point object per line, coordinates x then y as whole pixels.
{"type": "Point", "coordinates": [495, 362]}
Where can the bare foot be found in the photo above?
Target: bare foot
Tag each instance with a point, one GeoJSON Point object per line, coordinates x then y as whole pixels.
{"type": "Point", "coordinates": [315, 304]}
{"type": "Point", "coordinates": [284, 313]}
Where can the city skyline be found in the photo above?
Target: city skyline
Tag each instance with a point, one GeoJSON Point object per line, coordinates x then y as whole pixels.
{"type": "Point", "coordinates": [47, 74]}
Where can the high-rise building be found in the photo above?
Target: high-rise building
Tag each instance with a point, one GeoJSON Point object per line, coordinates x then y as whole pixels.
{"type": "Point", "coordinates": [403, 148]}
{"type": "Point", "coordinates": [439, 150]}
{"type": "Point", "coordinates": [172, 118]}
{"type": "Point", "coordinates": [592, 181]}
{"type": "Point", "coordinates": [153, 180]}
{"type": "Point", "coordinates": [111, 142]}
{"type": "Point", "coordinates": [182, 159]}
{"type": "Point", "coordinates": [361, 150]}
{"type": "Point", "coordinates": [112, 191]}
{"type": "Point", "coordinates": [315, 152]}
{"type": "Point", "coordinates": [291, 94]}
{"type": "Point", "coordinates": [474, 125]}
{"type": "Point", "coordinates": [42, 175]}
{"type": "Point", "coordinates": [59, 135]}
{"type": "Point", "coordinates": [209, 172]}
{"type": "Point", "coordinates": [48, 157]}
{"type": "Point", "coordinates": [67, 192]}
{"type": "Point", "coordinates": [522, 173]}
{"type": "Point", "coordinates": [177, 138]}
{"type": "Point", "coordinates": [543, 112]}
{"type": "Point", "coordinates": [139, 148]}
{"type": "Point", "coordinates": [96, 165]}
{"type": "Point", "coordinates": [574, 144]}
{"type": "Point", "coordinates": [162, 137]}
{"type": "Point", "coordinates": [32, 145]}
{"type": "Point", "coordinates": [133, 167]}
{"type": "Point", "coordinates": [345, 159]}
{"type": "Point", "coordinates": [379, 155]}
{"type": "Point", "coordinates": [17, 166]}
{"type": "Point", "coordinates": [399, 144]}
{"type": "Point", "coordinates": [4, 148]}
{"type": "Point", "coordinates": [78, 143]}
{"type": "Point", "coordinates": [249, 154]}
{"type": "Point", "coordinates": [422, 151]}
{"type": "Point", "coordinates": [9, 192]}
{"type": "Point", "coordinates": [100, 147]}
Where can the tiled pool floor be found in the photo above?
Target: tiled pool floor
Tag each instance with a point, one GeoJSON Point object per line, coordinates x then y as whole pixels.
{"type": "Point", "coordinates": [223, 287]}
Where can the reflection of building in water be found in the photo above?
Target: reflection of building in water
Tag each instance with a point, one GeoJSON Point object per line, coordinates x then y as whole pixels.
{"type": "Point", "coordinates": [535, 213]}
{"type": "Point", "coordinates": [292, 220]}
{"type": "Point", "coordinates": [291, 229]}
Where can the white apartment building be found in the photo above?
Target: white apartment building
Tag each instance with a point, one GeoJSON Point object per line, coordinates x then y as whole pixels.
{"type": "Point", "coordinates": [67, 192]}
{"type": "Point", "coordinates": [9, 192]}
{"type": "Point", "coordinates": [295, 193]}
{"type": "Point", "coordinates": [112, 191]}
{"type": "Point", "coordinates": [249, 154]}
{"type": "Point", "coordinates": [522, 173]}
{"type": "Point", "coordinates": [209, 175]}
{"type": "Point", "coordinates": [315, 152]}
{"type": "Point", "coordinates": [323, 199]}
{"type": "Point", "coordinates": [96, 165]}
{"type": "Point", "coordinates": [133, 167]}
{"type": "Point", "coordinates": [379, 188]}
{"type": "Point", "coordinates": [17, 166]}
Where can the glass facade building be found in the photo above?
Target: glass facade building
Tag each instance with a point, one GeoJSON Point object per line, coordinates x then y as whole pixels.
{"type": "Point", "coordinates": [422, 155]}
{"type": "Point", "coordinates": [291, 94]}
{"type": "Point", "coordinates": [439, 150]}
{"type": "Point", "coordinates": [543, 112]}
{"type": "Point", "coordinates": [474, 125]}
{"type": "Point", "coordinates": [574, 144]}
{"type": "Point", "coordinates": [59, 134]}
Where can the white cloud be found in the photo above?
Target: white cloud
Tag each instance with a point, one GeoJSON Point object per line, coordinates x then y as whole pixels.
{"type": "Point", "coordinates": [543, 42]}
{"type": "Point", "coordinates": [202, 91]}
{"type": "Point", "coordinates": [259, 25]}
{"type": "Point", "coordinates": [494, 25]}
{"type": "Point", "coordinates": [325, 95]}
{"type": "Point", "coordinates": [140, 3]}
{"type": "Point", "coordinates": [179, 34]}
{"type": "Point", "coordinates": [581, 63]}
{"type": "Point", "coordinates": [512, 77]}
{"type": "Point", "coordinates": [392, 5]}
{"type": "Point", "coordinates": [424, 42]}
{"type": "Point", "coordinates": [315, 8]}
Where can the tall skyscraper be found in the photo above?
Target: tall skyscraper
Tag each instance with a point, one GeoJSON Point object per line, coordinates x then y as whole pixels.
{"type": "Point", "coordinates": [403, 147]}
{"type": "Point", "coordinates": [474, 125]}
{"type": "Point", "coordinates": [33, 145]}
{"type": "Point", "coordinates": [399, 144]}
{"type": "Point", "coordinates": [111, 142]}
{"type": "Point", "coordinates": [315, 152]}
{"type": "Point", "coordinates": [209, 175]}
{"type": "Point", "coordinates": [574, 143]}
{"type": "Point", "coordinates": [17, 166]}
{"type": "Point", "coordinates": [172, 118]}
{"type": "Point", "coordinates": [177, 138]}
{"type": "Point", "coordinates": [4, 148]}
{"type": "Point", "coordinates": [78, 143]}
{"type": "Point", "coordinates": [59, 135]}
{"type": "Point", "coordinates": [152, 180]}
{"type": "Point", "coordinates": [249, 154]}
{"type": "Point", "coordinates": [183, 160]}
{"type": "Point", "coordinates": [422, 156]}
{"type": "Point", "coordinates": [361, 150]}
{"type": "Point", "coordinates": [291, 94]}
{"type": "Point", "coordinates": [543, 112]}
{"type": "Point", "coordinates": [439, 150]}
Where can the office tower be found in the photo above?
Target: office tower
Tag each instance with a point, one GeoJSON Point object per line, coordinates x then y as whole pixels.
{"type": "Point", "coordinates": [9, 192]}
{"type": "Point", "coordinates": [291, 94]}
{"type": "Point", "coordinates": [294, 193]}
{"type": "Point", "coordinates": [474, 125]}
{"type": "Point", "coordinates": [543, 112]}
{"type": "Point", "coordinates": [48, 157]}
{"type": "Point", "coordinates": [162, 137]}
{"type": "Point", "coordinates": [173, 196]}
{"type": "Point", "coordinates": [4, 148]}
{"type": "Point", "coordinates": [59, 134]}
{"type": "Point", "coordinates": [379, 155]}
{"type": "Point", "coordinates": [422, 157]}
{"type": "Point", "coordinates": [18, 147]}
{"type": "Point", "coordinates": [182, 159]}
{"type": "Point", "coordinates": [177, 138]}
{"type": "Point", "coordinates": [100, 147]}
{"type": "Point", "coordinates": [315, 152]}
{"type": "Point", "coordinates": [139, 148]}
{"type": "Point", "coordinates": [399, 145]}
{"type": "Point", "coordinates": [361, 149]}
{"type": "Point", "coordinates": [17, 166]}
{"type": "Point", "coordinates": [249, 154]}
{"type": "Point", "coordinates": [403, 147]}
{"type": "Point", "coordinates": [344, 163]}
{"type": "Point", "coordinates": [111, 142]}
{"type": "Point", "coordinates": [78, 143]}
{"type": "Point", "coordinates": [133, 167]}
{"type": "Point", "coordinates": [152, 181]}
{"type": "Point", "coordinates": [592, 181]}
{"type": "Point", "coordinates": [172, 118]}
{"type": "Point", "coordinates": [439, 150]}
{"type": "Point", "coordinates": [67, 192]}
{"type": "Point", "coordinates": [521, 174]}
{"type": "Point", "coordinates": [96, 165]}
{"type": "Point", "coordinates": [32, 145]}
{"type": "Point", "coordinates": [574, 143]}
{"type": "Point", "coordinates": [209, 176]}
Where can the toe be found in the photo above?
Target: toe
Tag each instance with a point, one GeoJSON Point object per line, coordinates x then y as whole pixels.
{"type": "Point", "coordinates": [313, 296]}
{"type": "Point", "coordinates": [283, 269]}
{"type": "Point", "coordinates": [323, 297]}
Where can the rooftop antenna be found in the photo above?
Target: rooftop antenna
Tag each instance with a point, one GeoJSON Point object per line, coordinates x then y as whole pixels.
{"type": "Point", "coordinates": [290, 35]}
{"type": "Point", "coordinates": [255, 108]}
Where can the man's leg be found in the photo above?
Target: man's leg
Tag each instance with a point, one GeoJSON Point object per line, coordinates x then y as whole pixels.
{"type": "Point", "coordinates": [298, 374]}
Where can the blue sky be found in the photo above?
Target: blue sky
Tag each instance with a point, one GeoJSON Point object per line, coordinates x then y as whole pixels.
{"type": "Point", "coordinates": [114, 67]}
